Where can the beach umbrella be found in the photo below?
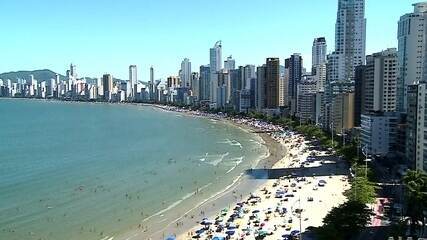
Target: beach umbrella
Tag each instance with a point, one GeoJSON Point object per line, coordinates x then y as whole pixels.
{"type": "Point", "coordinates": [170, 238]}
{"type": "Point", "coordinates": [255, 211]}
{"type": "Point", "coordinates": [206, 222]}
{"type": "Point", "coordinates": [232, 226]}
{"type": "Point", "coordinates": [295, 232]}
{"type": "Point", "coordinates": [286, 237]}
{"type": "Point", "coordinates": [218, 238]}
{"type": "Point", "coordinates": [230, 232]}
{"type": "Point", "coordinates": [196, 236]}
{"type": "Point", "coordinates": [322, 181]}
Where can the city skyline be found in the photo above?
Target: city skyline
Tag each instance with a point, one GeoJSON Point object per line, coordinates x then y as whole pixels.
{"type": "Point", "coordinates": [155, 47]}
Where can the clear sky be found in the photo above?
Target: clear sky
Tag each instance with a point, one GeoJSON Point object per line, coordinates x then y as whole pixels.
{"type": "Point", "coordinates": [109, 35]}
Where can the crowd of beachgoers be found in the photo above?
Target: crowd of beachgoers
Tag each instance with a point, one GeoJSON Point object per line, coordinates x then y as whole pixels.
{"type": "Point", "coordinates": [312, 182]}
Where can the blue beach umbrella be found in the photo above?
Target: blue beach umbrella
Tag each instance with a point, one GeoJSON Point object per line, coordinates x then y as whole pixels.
{"type": "Point", "coordinates": [170, 238]}
{"type": "Point", "coordinates": [218, 238]}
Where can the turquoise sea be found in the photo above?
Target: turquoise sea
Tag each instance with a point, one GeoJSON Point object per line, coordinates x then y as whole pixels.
{"type": "Point", "coordinates": [95, 171]}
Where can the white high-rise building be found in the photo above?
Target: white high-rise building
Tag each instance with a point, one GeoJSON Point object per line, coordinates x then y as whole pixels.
{"type": "Point", "coordinates": [350, 35]}
{"type": "Point", "coordinates": [185, 73]}
{"type": "Point", "coordinates": [133, 79]}
{"type": "Point", "coordinates": [215, 68]}
{"type": "Point", "coordinates": [379, 93]}
{"type": "Point", "coordinates": [229, 64]}
{"type": "Point", "coordinates": [318, 53]}
{"type": "Point", "coordinates": [412, 47]}
{"type": "Point", "coordinates": [248, 76]}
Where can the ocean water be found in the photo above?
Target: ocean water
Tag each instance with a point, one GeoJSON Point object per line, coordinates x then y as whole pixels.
{"type": "Point", "coordinates": [95, 171]}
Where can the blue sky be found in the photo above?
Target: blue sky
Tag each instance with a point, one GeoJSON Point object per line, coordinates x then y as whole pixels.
{"type": "Point", "coordinates": [108, 36]}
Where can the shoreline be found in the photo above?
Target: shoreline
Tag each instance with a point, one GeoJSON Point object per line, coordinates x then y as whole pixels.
{"type": "Point", "coordinates": [241, 187]}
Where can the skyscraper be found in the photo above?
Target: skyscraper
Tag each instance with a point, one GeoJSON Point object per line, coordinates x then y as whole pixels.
{"type": "Point", "coordinates": [412, 46]}
{"type": "Point", "coordinates": [151, 90]}
{"type": "Point", "coordinates": [195, 85]}
{"type": "Point", "coordinates": [260, 87]}
{"type": "Point", "coordinates": [294, 67]}
{"type": "Point", "coordinates": [411, 86]}
{"type": "Point", "coordinates": [204, 73]}
{"type": "Point", "coordinates": [416, 148]}
{"type": "Point", "coordinates": [107, 84]}
{"type": "Point", "coordinates": [133, 79]}
{"type": "Point", "coordinates": [272, 83]}
{"type": "Point", "coordinates": [229, 64]}
{"type": "Point", "coordinates": [379, 93]}
{"type": "Point", "coordinates": [350, 35]}
{"type": "Point", "coordinates": [215, 68]}
{"type": "Point", "coordinates": [318, 53]}
{"type": "Point", "coordinates": [248, 75]}
{"type": "Point", "coordinates": [73, 71]}
{"type": "Point", "coordinates": [185, 73]}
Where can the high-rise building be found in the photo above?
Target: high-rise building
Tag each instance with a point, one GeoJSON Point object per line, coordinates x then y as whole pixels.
{"type": "Point", "coordinates": [412, 46]}
{"type": "Point", "coordinates": [151, 89]}
{"type": "Point", "coordinates": [342, 112]}
{"type": "Point", "coordinates": [416, 139]}
{"type": "Point", "coordinates": [272, 83]}
{"type": "Point", "coordinates": [379, 92]}
{"type": "Point", "coordinates": [133, 79]}
{"type": "Point", "coordinates": [195, 85]}
{"type": "Point", "coordinates": [215, 68]}
{"type": "Point", "coordinates": [306, 95]}
{"type": "Point", "coordinates": [379, 133]}
{"type": "Point", "coordinates": [73, 71]}
{"type": "Point", "coordinates": [185, 73]}
{"type": "Point", "coordinates": [260, 87]}
{"type": "Point", "coordinates": [107, 84]}
{"type": "Point", "coordinates": [318, 53]}
{"type": "Point", "coordinates": [205, 82]}
{"type": "Point", "coordinates": [359, 94]}
{"type": "Point", "coordinates": [173, 82]}
{"type": "Point", "coordinates": [283, 90]}
{"type": "Point", "coordinates": [350, 35]}
{"type": "Point", "coordinates": [294, 65]}
{"type": "Point", "coordinates": [248, 75]}
{"type": "Point", "coordinates": [229, 64]}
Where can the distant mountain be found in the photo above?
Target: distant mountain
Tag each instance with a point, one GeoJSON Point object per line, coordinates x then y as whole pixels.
{"type": "Point", "coordinates": [39, 75]}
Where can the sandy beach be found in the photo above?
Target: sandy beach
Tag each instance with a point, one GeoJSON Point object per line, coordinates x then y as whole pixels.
{"type": "Point", "coordinates": [287, 203]}
{"type": "Point", "coordinates": [291, 190]}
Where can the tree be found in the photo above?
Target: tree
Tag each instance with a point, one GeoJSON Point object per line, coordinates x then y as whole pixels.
{"type": "Point", "coordinates": [416, 198]}
{"type": "Point", "coordinates": [362, 190]}
{"type": "Point", "coordinates": [344, 221]}
{"type": "Point", "coordinates": [349, 152]}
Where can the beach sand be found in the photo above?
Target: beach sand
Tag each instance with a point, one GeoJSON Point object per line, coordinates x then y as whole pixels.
{"type": "Point", "coordinates": [330, 169]}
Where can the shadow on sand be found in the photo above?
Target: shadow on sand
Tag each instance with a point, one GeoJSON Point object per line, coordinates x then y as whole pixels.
{"type": "Point", "coordinates": [330, 165]}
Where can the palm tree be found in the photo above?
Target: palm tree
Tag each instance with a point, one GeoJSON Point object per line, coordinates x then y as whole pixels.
{"type": "Point", "coordinates": [416, 198]}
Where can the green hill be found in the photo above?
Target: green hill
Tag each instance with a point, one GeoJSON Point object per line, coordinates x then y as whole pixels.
{"type": "Point", "coordinates": [39, 75]}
